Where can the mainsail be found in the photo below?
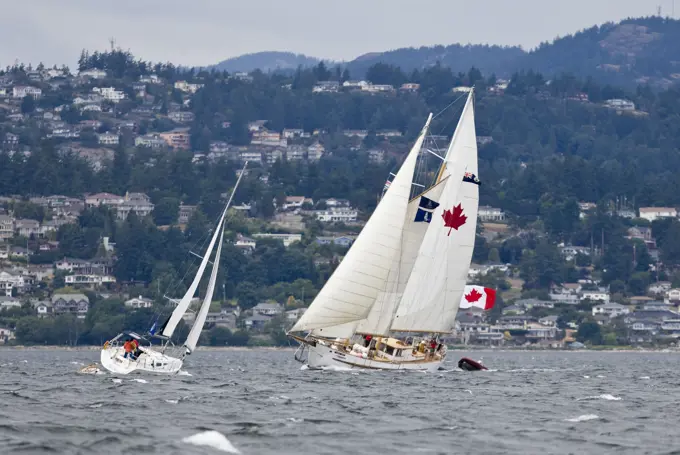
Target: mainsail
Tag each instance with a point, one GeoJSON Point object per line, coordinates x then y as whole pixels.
{"type": "Point", "coordinates": [433, 292]}
{"type": "Point", "coordinates": [356, 284]}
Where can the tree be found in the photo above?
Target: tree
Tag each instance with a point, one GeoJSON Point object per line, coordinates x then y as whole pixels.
{"type": "Point", "coordinates": [166, 211]}
{"type": "Point", "coordinates": [589, 332]}
{"type": "Point", "coordinates": [27, 104]}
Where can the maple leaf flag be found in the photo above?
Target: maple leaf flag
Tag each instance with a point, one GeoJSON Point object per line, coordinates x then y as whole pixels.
{"type": "Point", "coordinates": [454, 219]}
{"type": "Point", "coordinates": [478, 297]}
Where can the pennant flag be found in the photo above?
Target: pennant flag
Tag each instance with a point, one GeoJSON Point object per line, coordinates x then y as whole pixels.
{"type": "Point", "coordinates": [152, 330]}
{"type": "Point", "coordinates": [425, 208]}
{"type": "Point", "coordinates": [478, 297]}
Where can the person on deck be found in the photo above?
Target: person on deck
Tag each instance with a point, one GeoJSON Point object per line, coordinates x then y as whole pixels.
{"type": "Point", "coordinates": [367, 340]}
{"type": "Point", "coordinates": [128, 349]}
{"type": "Point", "coordinates": [135, 349]}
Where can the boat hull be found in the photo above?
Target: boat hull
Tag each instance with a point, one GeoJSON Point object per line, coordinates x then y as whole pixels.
{"type": "Point", "coordinates": [321, 356]}
{"type": "Point", "coordinates": [149, 361]}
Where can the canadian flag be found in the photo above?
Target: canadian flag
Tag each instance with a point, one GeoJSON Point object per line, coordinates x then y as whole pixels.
{"type": "Point", "coordinates": [479, 297]}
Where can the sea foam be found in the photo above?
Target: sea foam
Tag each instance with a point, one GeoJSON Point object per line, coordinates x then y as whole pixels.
{"type": "Point", "coordinates": [583, 418]}
{"type": "Point", "coordinates": [213, 439]}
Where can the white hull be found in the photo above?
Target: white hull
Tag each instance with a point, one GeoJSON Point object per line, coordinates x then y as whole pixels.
{"type": "Point", "coordinates": [321, 356]}
{"type": "Point", "coordinates": [149, 361]}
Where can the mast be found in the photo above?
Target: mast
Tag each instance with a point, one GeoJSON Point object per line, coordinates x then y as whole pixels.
{"type": "Point", "coordinates": [184, 303]}
{"type": "Point", "coordinates": [432, 295]}
{"type": "Point", "coordinates": [351, 291]}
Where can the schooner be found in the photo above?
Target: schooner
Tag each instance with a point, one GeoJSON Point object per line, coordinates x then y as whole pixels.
{"type": "Point", "coordinates": [399, 287]}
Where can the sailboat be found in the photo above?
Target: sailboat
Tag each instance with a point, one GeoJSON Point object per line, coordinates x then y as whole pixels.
{"type": "Point", "coordinates": [399, 287]}
{"type": "Point", "coordinates": [168, 358]}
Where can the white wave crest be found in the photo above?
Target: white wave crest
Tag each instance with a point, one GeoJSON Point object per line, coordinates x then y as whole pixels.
{"type": "Point", "coordinates": [304, 367]}
{"type": "Point", "coordinates": [116, 380]}
{"type": "Point", "coordinates": [183, 373]}
{"type": "Point", "coordinates": [583, 418]}
{"type": "Point", "coordinates": [172, 401]}
{"type": "Point", "coordinates": [141, 381]}
{"type": "Point", "coordinates": [98, 405]}
{"type": "Point", "coordinates": [644, 377]}
{"type": "Point", "coordinates": [604, 396]}
{"type": "Point", "coordinates": [213, 439]}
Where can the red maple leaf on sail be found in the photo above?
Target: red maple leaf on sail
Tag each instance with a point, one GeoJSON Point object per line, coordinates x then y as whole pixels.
{"type": "Point", "coordinates": [473, 296]}
{"type": "Point", "coordinates": [454, 219]}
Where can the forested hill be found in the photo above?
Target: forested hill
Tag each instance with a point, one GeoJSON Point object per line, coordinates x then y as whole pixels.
{"type": "Point", "coordinates": [629, 53]}
{"type": "Point", "coordinates": [632, 52]}
{"type": "Point", "coordinates": [265, 61]}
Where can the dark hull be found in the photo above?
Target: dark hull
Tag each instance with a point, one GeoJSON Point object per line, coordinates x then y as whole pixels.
{"type": "Point", "coordinates": [470, 365]}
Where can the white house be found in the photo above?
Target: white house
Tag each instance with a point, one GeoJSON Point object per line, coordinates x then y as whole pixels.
{"type": "Point", "coordinates": [672, 296]}
{"type": "Point", "coordinates": [139, 302]}
{"type": "Point", "coordinates": [619, 104]}
{"type": "Point", "coordinates": [654, 213]}
{"type": "Point", "coordinates": [93, 73]}
{"type": "Point", "coordinates": [108, 139]}
{"type": "Point", "coordinates": [315, 151]}
{"type": "Point", "coordinates": [610, 309]}
{"type": "Point", "coordinates": [287, 239]}
{"type": "Point", "coordinates": [344, 215]}
{"type": "Point", "coordinates": [599, 295]}
{"type": "Point", "coordinates": [22, 91]}
{"type": "Point", "coordinates": [487, 213]}
{"type": "Point", "coordinates": [109, 199]}
{"type": "Point", "coordinates": [187, 86]}
{"type": "Point", "coordinates": [268, 309]}
{"type": "Point", "coordinates": [6, 334]}
{"type": "Point", "coordinates": [110, 93]}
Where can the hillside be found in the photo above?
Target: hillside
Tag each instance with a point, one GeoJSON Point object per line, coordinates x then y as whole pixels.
{"type": "Point", "coordinates": [632, 52]}
{"type": "Point", "coordinates": [635, 51]}
{"type": "Point", "coordinates": [265, 61]}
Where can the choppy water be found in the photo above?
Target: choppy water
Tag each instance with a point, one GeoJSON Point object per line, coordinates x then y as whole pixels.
{"type": "Point", "coordinates": [261, 402]}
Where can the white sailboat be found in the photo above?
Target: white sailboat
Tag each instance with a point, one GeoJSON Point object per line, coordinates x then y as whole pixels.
{"type": "Point", "coordinates": [167, 358]}
{"type": "Point", "coordinates": [399, 286]}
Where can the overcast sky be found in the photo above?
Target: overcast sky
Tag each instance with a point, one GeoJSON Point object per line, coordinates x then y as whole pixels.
{"type": "Point", "coordinates": [200, 32]}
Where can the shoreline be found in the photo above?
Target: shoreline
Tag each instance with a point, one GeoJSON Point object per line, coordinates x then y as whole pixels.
{"type": "Point", "coordinates": [453, 349]}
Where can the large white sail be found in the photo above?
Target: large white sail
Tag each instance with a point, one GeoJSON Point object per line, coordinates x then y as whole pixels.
{"type": "Point", "coordinates": [195, 332]}
{"type": "Point", "coordinates": [355, 285]}
{"type": "Point", "coordinates": [379, 319]}
{"type": "Point", "coordinates": [183, 304]}
{"type": "Point", "coordinates": [432, 295]}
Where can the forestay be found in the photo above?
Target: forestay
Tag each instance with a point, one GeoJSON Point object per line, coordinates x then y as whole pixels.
{"type": "Point", "coordinates": [355, 285]}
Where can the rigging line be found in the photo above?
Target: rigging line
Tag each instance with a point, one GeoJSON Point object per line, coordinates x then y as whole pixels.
{"type": "Point", "coordinates": [448, 106]}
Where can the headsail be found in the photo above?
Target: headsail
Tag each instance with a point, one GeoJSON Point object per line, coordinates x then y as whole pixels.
{"type": "Point", "coordinates": [184, 303]}
{"type": "Point", "coordinates": [432, 296]}
{"type": "Point", "coordinates": [195, 332]}
{"type": "Point", "coordinates": [355, 285]}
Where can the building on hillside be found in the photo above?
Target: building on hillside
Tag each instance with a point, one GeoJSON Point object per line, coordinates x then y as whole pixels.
{"type": "Point", "coordinates": [296, 152]}
{"type": "Point", "coordinates": [376, 155]}
{"type": "Point", "coordinates": [409, 87]}
{"type": "Point", "coordinates": [6, 335]}
{"type": "Point", "coordinates": [178, 138]}
{"type": "Point", "coordinates": [181, 116]}
{"type": "Point", "coordinates": [620, 104]}
{"type": "Point", "coordinates": [6, 227]}
{"type": "Point", "coordinates": [326, 86]}
{"type": "Point", "coordinates": [344, 215]}
{"type": "Point", "coordinates": [268, 309]}
{"type": "Point", "coordinates": [93, 73]}
{"type": "Point", "coordinates": [354, 85]}
{"type": "Point", "coordinates": [287, 239]}
{"type": "Point", "coordinates": [224, 318]}
{"type": "Point", "coordinates": [569, 252]}
{"type": "Point", "coordinates": [110, 93]}
{"type": "Point", "coordinates": [315, 151]}
{"type": "Point", "coordinates": [43, 308]}
{"type": "Point", "coordinates": [188, 87]}
{"type": "Point", "coordinates": [492, 214]}
{"type": "Point", "coordinates": [610, 309]}
{"type": "Point", "coordinates": [185, 212]}
{"type": "Point", "coordinates": [273, 155]}
{"type": "Point", "coordinates": [654, 213]}
{"type": "Point", "coordinates": [660, 287]}
{"type": "Point", "coordinates": [95, 200]}
{"type": "Point", "coordinates": [77, 304]}
{"type": "Point", "coordinates": [27, 228]}
{"type": "Point", "coordinates": [139, 203]}
{"type": "Point", "coordinates": [139, 302]}
{"type": "Point", "coordinates": [22, 91]}
{"type": "Point", "coordinates": [108, 139]}
{"type": "Point", "coordinates": [378, 88]}
{"type": "Point", "coordinates": [152, 141]}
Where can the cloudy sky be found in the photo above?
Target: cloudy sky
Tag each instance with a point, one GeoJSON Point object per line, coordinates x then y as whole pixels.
{"type": "Point", "coordinates": [199, 32]}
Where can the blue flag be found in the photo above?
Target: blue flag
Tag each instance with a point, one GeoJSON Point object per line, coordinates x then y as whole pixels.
{"type": "Point", "coordinates": [425, 208]}
{"type": "Point", "coordinates": [152, 330]}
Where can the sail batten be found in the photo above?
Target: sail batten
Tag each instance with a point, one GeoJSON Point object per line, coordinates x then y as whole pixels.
{"type": "Point", "coordinates": [366, 266]}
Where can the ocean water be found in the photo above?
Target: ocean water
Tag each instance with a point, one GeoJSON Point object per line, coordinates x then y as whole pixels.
{"type": "Point", "coordinates": [262, 402]}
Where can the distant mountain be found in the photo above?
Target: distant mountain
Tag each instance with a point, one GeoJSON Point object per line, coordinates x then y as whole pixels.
{"type": "Point", "coordinates": [632, 52]}
{"type": "Point", "coordinates": [489, 59]}
{"type": "Point", "coordinates": [265, 61]}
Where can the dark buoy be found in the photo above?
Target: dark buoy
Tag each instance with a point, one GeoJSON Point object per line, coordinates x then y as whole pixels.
{"type": "Point", "coordinates": [470, 365]}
